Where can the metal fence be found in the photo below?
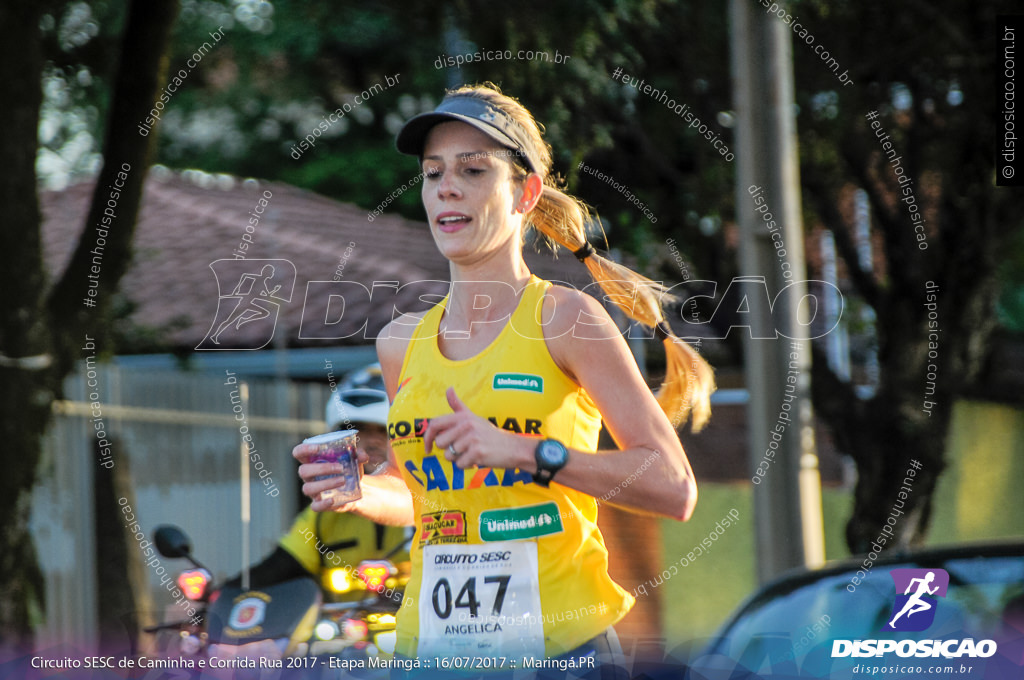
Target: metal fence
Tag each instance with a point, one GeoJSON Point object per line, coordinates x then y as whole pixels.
{"type": "Point", "coordinates": [178, 447]}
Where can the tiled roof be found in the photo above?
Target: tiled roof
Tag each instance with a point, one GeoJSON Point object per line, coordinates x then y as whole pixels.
{"type": "Point", "coordinates": [188, 220]}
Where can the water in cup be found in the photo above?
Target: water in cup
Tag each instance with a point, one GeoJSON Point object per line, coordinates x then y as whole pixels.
{"type": "Point", "coordinates": [338, 447]}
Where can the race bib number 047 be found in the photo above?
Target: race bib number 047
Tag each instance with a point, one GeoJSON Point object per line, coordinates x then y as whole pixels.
{"type": "Point", "coordinates": [481, 600]}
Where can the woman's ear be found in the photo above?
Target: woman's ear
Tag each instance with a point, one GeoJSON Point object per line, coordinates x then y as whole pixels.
{"type": "Point", "coordinates": [533, 186]}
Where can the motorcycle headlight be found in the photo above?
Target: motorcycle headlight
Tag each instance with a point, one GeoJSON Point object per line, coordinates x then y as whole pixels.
{"type": "Point", "coordinates": [386, 619]}
{"type": "Point", "coordinates": [339, 580]}
{"type": "Point", "coordinates": [326, 630]}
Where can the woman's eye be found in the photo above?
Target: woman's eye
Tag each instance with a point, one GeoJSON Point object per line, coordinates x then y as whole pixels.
{"type": "Point", "coordinates": [433, 173]}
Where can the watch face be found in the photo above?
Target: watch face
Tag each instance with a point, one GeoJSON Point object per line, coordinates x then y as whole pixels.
{"type": "Point", "coordinates": [551, 453]}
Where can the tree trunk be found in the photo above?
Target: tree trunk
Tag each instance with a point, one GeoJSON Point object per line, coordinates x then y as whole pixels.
{"type": "Point", "coordinates": [886, 433]}
{"type": "Point", "coordinates": [105, 245]}
{"type": "Point", "coordinates": [894, 458]}
{"type": "Point", "coordinates": [122, 584]}
{"type": "Point", "coordinates": [39, 344]}
{"type": "Point", "coordinates": [24, 399]}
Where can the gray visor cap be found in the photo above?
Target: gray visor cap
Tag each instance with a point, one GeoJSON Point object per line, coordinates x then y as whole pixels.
{"type": "Point", "coordinates": [474, 111]}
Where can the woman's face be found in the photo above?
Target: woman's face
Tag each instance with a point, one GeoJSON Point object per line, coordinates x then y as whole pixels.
{"type": "Point", "coordinates": [469, 194]}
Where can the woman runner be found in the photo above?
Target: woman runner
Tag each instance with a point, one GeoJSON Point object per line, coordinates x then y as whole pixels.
{"type": "Point", "coordinates": [498, 394]}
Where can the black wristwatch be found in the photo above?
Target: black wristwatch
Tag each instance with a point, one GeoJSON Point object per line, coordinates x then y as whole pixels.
{"type": "Point", "coordinates": [551, 456]}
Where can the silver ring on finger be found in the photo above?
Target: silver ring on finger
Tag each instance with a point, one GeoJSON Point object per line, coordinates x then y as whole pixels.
{"type": "Point", "coordinates": [451, 450]}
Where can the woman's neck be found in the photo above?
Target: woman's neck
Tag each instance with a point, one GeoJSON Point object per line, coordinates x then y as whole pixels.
{"type": "Point", "coordinates": [486, 290]}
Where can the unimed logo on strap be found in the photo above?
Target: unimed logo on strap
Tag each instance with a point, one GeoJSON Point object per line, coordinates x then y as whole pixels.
{"type": "Point", "coordinates": [518, 381]}
{"type": "Point", "coordinates": [916, 593]}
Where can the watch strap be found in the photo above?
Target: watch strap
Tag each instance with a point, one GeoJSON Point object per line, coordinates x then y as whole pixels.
{"type": "Point", "coordinates": [545, 472]}
{"type": "Point", "coordinates": [543, 476]}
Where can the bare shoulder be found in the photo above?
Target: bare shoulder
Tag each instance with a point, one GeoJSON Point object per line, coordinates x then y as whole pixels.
{"type": "Point", "coordinates": [572, 314]}
{"type": "Point", "coordinates": [392, 344]}
{"type": "Point", "coordinates": [579, 333]}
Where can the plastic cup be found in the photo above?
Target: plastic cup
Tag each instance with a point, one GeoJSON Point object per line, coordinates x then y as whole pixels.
{"type": "Point", "coordinates": [339, 447]}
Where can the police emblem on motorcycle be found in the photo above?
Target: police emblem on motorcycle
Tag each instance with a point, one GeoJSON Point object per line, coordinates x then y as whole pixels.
{"type": "Point", "coordinates": [247, 614]}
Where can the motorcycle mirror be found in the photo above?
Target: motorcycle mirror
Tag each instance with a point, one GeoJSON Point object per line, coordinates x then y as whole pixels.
{"type": "Point", "coordinates": [172, 541]}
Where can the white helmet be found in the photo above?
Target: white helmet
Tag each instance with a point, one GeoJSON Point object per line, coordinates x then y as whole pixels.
{"type": "Point", "coordinates": [359, 398]}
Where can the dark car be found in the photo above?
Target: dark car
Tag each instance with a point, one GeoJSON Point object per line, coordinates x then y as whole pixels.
{"type": "Point", "coordinates": [848, 621]}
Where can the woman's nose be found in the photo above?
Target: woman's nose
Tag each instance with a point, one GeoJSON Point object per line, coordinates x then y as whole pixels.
{"type": "Point", "coordinates": [447, 185]}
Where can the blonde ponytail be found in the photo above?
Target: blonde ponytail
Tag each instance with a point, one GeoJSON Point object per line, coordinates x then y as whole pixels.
{"type": "Point", "coordinates": [562, 219]}
{"type": "Point", "coordinates": [689, 379]}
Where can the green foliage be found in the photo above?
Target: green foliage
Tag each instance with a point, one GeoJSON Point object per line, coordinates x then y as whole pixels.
{"type": "Point", "coordinates": [80, 41]}
{"type": "Point", "coordinates": [1010, 307]}
{"type": "Point", "coordinates": [271, 83]}
{"type": "Point", "coordinates": [623, 133]}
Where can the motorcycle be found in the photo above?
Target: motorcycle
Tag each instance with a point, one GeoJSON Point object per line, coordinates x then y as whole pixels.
{"type": "Point", "coordinates": [287, 620]}
{"type": "Point", "coordinates": [358, 618]}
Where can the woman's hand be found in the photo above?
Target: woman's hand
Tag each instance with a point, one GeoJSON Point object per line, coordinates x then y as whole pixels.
{"type": "Point", "coordinates": [310, 471]}
{"type": "Point", "coordinates": [476, 442]}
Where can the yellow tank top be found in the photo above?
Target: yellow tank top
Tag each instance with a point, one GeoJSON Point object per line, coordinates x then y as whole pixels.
{"type": "Point", "coordinates": [501, 566]}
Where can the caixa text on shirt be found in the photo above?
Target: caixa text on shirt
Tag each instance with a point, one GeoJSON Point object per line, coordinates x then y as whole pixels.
{"type": "Point", "coordinates": [438, 474]}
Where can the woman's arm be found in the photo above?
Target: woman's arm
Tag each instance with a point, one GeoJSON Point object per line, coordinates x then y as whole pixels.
{"type": "Point", "coordinates": [386, 498]}
{"type": "Point", "coordinates": [651, 473]}
{"type": "Point", "coordinates": [595, 355]}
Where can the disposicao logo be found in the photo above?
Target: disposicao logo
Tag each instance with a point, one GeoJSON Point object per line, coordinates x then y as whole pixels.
{"type": "Point", "coordinates": [258, 288]}
{"type": "Point", "coordinates": [913, 610]}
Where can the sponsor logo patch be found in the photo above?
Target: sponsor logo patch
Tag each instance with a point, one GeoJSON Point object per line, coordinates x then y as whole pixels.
{"type": "Point", "coordinates": [518, 381]}
{"type": "Point", "coordinates": [510, 524]}
{"type": "Point", "coordinates": [443, 527]}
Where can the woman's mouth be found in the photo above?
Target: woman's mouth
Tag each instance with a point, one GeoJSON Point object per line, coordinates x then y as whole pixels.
{"type": "Point", "coordinates": [451, 222]}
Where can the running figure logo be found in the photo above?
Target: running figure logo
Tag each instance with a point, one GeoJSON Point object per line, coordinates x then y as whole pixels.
{"type": "Point", "coordinates": [260, 287]}
{"type": "Point", "coordinates": [914, 610]}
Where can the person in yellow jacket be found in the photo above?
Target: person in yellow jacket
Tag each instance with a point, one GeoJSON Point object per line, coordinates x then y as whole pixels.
{"type": "Point", "coordinates": [320, 541]}
{"type": "Point", "coordinates": [497, 396]}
